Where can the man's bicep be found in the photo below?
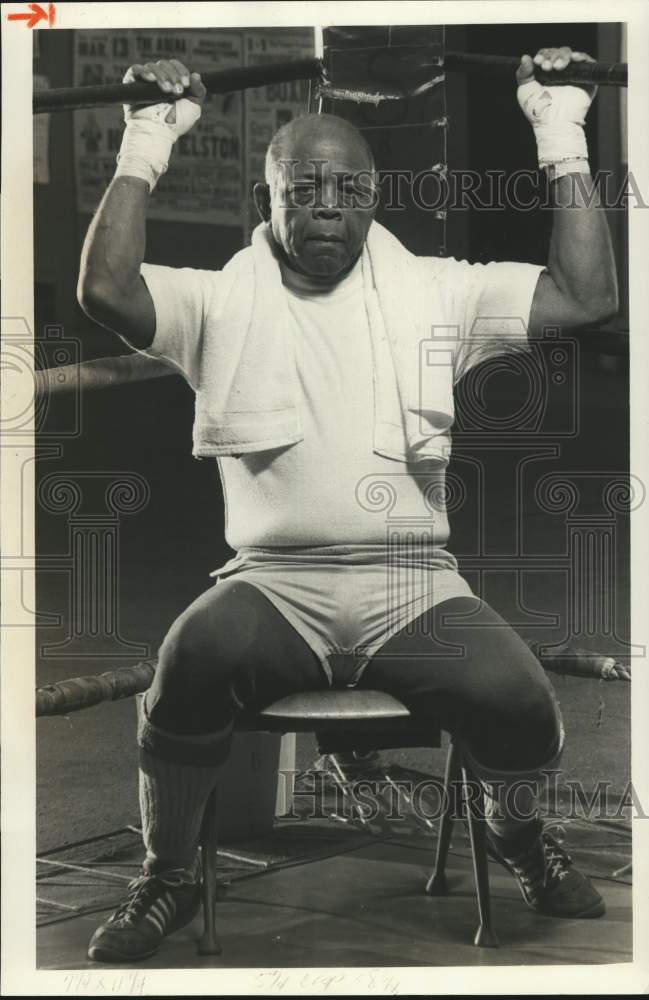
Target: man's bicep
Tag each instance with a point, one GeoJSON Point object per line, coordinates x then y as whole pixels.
{"type": "Point", "coordinates": [132, 317]}
{"type": "Point", "coordinates": [139, 324]}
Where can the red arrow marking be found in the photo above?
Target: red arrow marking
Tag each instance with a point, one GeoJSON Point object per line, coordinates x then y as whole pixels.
{"type": "Point", "coordinates": [37, 15]}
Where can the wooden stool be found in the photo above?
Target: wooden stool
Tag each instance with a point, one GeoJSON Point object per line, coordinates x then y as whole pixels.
{"type": "Point", "coordinates": [361, 720]}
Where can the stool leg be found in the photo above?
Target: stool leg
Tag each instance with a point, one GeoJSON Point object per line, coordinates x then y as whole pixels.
{"type": "Point", "coordinates": [343, 782]}
{"type": "Point", "coordinates": [209, 943]}
{"type": "Point", "coordinates": [485, 936]}
{"type": "Point", "coordinates": [437, 884]}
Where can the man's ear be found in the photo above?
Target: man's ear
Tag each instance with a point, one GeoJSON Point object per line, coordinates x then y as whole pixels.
{"type": "Point", "coordinates": [261, 195]}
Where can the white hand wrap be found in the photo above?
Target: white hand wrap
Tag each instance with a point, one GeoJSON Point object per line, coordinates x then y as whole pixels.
{"type": "Point", "coordinates": [148, 137]}
{"type": "Point", "coordinates": [557, 115]}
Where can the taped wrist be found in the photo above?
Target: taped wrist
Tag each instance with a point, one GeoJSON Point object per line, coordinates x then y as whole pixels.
{"type": "Point", "coordinates": [145, 151]}
{"type": "Point", "coordinates": [149, 137]}
{"type": "Point", "coordinates": [557, 115]}
{"type": "Point", "coordinates": [560, 143]}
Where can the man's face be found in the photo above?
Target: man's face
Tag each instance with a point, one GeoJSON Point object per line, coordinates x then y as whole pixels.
{"type": "Point", "coordinates": [322, 204]}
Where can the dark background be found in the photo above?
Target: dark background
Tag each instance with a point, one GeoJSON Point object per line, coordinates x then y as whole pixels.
{"type": "Point", "coordinates": [168, 549]}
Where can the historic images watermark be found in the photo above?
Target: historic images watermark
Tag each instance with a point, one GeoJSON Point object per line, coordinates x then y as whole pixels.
{"type": "Point", "coordinates": [429, 799]}
{"type": "Point", "coordinates": [440, 189]}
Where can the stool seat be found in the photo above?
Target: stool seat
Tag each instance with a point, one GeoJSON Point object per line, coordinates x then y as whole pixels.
{"type": "Point", "coordinates": [347, 705]}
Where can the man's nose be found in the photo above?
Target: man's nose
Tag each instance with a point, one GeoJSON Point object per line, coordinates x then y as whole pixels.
{"type": "Point", "coordinates": [327, 204]}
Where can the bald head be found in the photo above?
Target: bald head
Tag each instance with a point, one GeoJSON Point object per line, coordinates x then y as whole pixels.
{"type": "Point", "coordinates": [313, 135]}
{"type": "Point", "coordinates": [320, 195]}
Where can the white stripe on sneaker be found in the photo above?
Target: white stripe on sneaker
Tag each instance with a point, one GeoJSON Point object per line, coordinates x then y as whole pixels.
{"type": "Point", "coordinates": [160, 911]}
{"type": "Point", "coordinates": [163, 904]}
{"type": "Point", "coordinates": [155, 920]}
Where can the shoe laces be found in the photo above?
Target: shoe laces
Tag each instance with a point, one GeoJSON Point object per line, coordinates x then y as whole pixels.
{"type": "Point", "coordinates": [143, 891]}
{"type": "Point", "coordinates": [557, 860]}
{"type": "Point", "coordinates": [543, 864]}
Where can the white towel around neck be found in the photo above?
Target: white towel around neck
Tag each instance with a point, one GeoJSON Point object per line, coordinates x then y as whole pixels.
{"type": "Point", "coordinates": [247, 396]}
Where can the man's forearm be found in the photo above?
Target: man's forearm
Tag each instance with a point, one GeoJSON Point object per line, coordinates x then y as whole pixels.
{"type": "Point", "coordinates": [111, 290]}
{"type": "Point", "coordinates": [581, 261]}
{"type": "Point", "coordinates": [579, 285]}
{"type": "Point", "coordinates": [114, 246]}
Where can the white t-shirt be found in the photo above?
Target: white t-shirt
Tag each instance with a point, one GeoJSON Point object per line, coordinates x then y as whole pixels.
{"type": "Point", "coordinates": [331, 487]}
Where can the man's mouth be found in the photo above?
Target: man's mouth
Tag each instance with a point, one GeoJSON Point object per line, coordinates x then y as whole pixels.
{"type": "Point", "coordinates": [325, 238]}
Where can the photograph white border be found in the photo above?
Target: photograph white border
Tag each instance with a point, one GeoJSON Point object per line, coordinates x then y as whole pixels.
{"type": "Point", "coordinates": [19, 974]}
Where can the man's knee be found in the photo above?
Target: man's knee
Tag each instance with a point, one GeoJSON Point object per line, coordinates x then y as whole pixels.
{"type": "Point", "coordinates": [539, 715]}
{"type": "Point", "coordinates": [528, 725]}
{"type": "Point", "coordinates": [188, 667]}
{"type": "Point", "coordinates": [198, 659]}
{"type": "Point", "coordinates": [530, 694]}
{"type": "Point", "coordinates": [189, 651]}
{"type": "Point", "coordinates": [211, 637]}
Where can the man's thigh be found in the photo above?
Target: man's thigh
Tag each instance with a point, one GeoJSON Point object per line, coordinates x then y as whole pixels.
{"type": "Point", "coordinates": [231, 649]}
{"type": "Point", "coordinates": [462, 664]}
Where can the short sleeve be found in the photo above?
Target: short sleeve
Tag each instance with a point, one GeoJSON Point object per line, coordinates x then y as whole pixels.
{"type": "Point", "coordinates": [183, 298]}
{"type": "Point", "coordinates": [490, 305]}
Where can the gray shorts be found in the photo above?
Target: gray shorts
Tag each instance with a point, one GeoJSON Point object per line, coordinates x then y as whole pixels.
{"type": "Point", "coordinates": [346, 601]}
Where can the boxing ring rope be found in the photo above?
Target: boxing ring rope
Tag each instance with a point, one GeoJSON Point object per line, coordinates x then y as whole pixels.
{"type": "Point", "coordinates": [143, 92]}
{"type": "Point", "coordinates": [101, 373]}
{"type": "Point", "coordinates": [473, 63]}
{"type": "Point", "coordinates": [77, 693]}
{"type": "Point", "coordinates": [243, 78]}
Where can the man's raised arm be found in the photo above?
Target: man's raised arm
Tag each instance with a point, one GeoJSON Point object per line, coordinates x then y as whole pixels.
{"type": "Point", "coordinates": [580, 282]}
{"type": "Point", "coordinates": [111, 290]}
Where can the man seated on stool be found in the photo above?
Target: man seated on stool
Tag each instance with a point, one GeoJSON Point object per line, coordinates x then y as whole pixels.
{"type": "Point", "coordinates": [304, 356]}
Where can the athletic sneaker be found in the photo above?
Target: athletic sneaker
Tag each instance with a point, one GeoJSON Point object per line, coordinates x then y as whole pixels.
{"type": "Point", "coordinates": [545, 874]}
{"type": "Point", "coordinates": [156, 905]}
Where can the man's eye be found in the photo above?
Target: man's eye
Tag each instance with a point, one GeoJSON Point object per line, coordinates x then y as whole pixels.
{"type": "Point", "coordinates": [357, 196]}
{"type": "Point", "coordinates": [302, 192]}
